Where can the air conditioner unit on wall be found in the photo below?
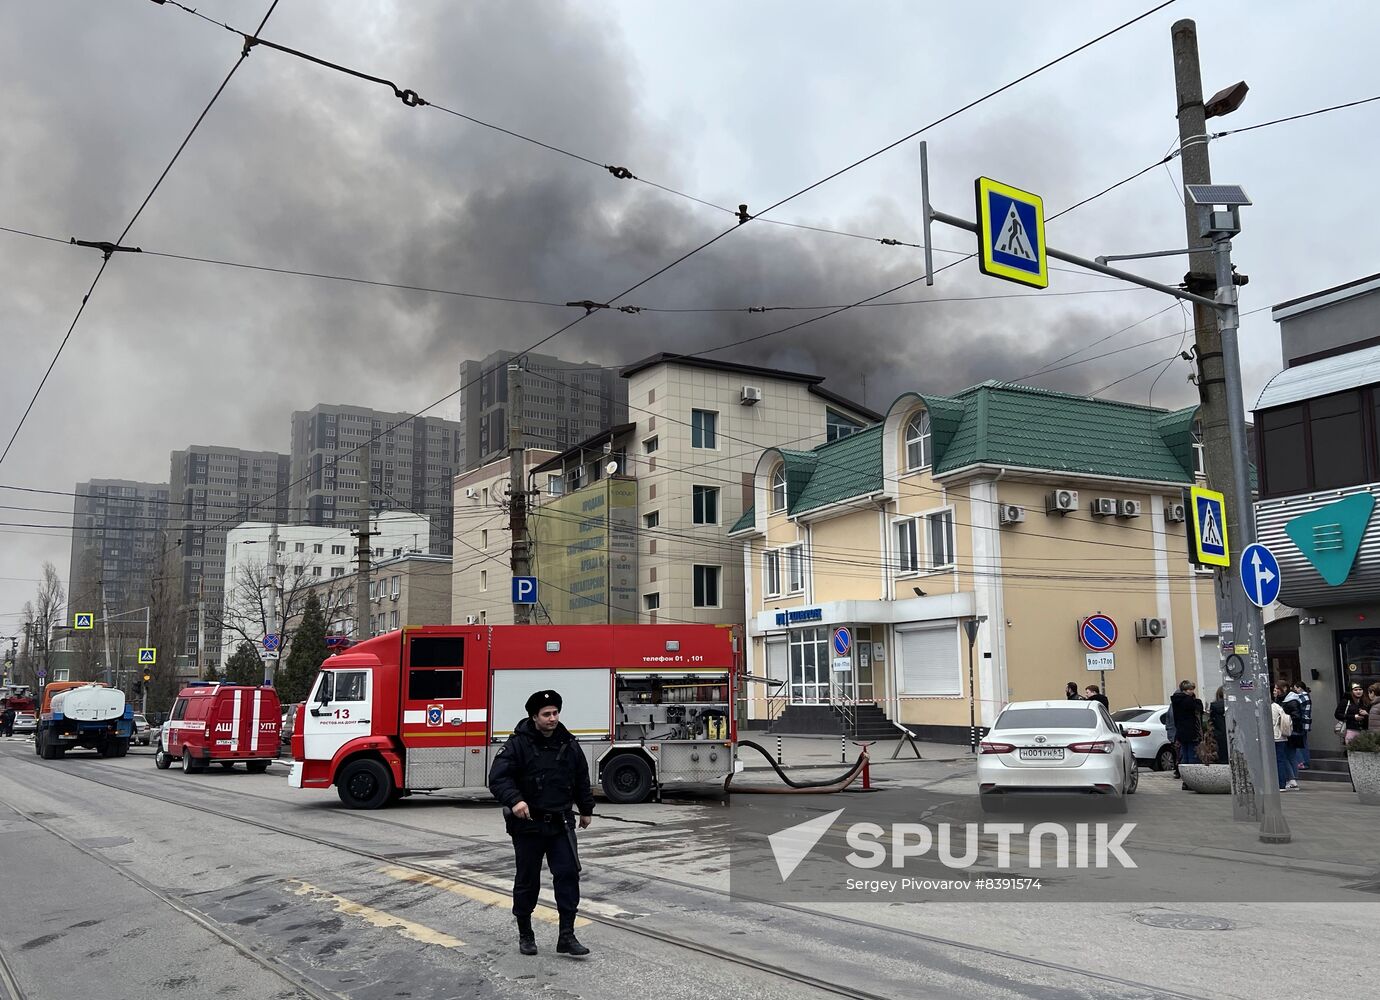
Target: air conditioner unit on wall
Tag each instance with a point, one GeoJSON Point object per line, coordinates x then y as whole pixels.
{"type": "Point", "coordinates": [471, 619]}
{"type": "Point", "coordinates": [1010, 513]}
{"type": "Point", "coordinates": [1174, 513]}
{"type": "Point", "coordinates": [1152, 628]}
{"type": "Point", "coordinates": [1103, 506]}
{"type": "Point", "coordinates": [471, 493]}
{"type": "Point", "coordinates": [1061, 501]}
{"type": "Point", "coordinates": [751, 394]}
{"type": "Point", "coordinates": [1128, 508]}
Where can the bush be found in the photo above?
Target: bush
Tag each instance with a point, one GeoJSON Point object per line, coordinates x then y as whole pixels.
{"type": "Point", "coordinates": [1207, 749]}
{"type": "Point", "coordinates": [1365, 743]}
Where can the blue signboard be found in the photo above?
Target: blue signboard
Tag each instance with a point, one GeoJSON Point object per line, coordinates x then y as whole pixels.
{"type": "Point", "coordinates": [270, 642]}
{"type": "Point", "coordinates": [1011, 234]}
{"type": "Point", "coordinates": [1259, 575]}
{"type": "Point", "coordinates": [843, 641]}
{"type": "Point", "coordinates": [1098, 633]}
{"type": "Point", "coordinates": [524, 590]}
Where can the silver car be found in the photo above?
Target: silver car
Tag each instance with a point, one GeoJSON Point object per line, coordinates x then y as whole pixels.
{"type": "Point", "coordinates": [142, 731]}
{"type": "Point", "coordinates": [25, 722]}
{"type": "Point", "coordinates": [1147, 728]}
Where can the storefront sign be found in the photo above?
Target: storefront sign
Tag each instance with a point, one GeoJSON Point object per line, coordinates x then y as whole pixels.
{"type": "Point", "coordinates": [803, 615]}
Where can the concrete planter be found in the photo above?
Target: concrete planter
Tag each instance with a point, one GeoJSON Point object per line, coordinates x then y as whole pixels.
{"type": "Point", "coordinates": [1209, 779]}
{"type": "Point", "coordinates": [1365, 775]}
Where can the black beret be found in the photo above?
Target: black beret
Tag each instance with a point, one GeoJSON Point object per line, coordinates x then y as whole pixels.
{"type": "Point", "coordinates": [541, 699]}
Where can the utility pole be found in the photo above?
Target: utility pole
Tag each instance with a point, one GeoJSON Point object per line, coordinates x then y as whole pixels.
{"type": "Point", "coordinates": [105, 627]}
{"type": "Point", "coordinates": [201, 627]}
{"type": "Point", "coordinates": [517, 498]}
{"type": "Point", "coordinates": [271, 616]}
{"type": "Point", "coordinates": [363, 550]}
{"type": "Point", "coordinates": [1224, 453]}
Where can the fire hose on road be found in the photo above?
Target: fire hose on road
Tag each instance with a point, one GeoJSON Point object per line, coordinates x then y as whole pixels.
{"type": "Point", "coordinates": [808, 787]}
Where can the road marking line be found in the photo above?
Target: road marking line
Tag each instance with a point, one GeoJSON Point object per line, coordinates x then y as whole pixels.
{"type": "Point", "coordinates": [408, 929]}
{"type": "Point", "coordinates": [546, 912]}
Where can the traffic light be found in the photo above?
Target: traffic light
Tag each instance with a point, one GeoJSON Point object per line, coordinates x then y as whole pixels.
{"type": "Point", "coordinates": [148, 676]}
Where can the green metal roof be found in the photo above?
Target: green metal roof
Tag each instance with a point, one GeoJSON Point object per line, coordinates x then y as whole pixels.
{"type": "Point", "coordinates": [748, 519]}
{"type": "Point", "coordinates": [1002, 423]}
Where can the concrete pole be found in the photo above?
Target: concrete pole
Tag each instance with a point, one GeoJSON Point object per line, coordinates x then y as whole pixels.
{"type": "Point", "coordinates": [271, 616]}
{"type": "Point", "coordinates": [201, 628]}
{"type": "Point", "coordinates": [363, 550]}
{"type": "Point", "coordinates": [517, 498]}
{"type": "Point", "coordinates": [1219, 452]}
{"type": "Point", "coordinates": [1247, 617]}
{"type": "Point", "coordinates": [105, 627]}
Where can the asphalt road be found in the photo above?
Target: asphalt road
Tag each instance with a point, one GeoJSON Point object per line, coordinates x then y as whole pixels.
{"type": "Point", "coordinates": [131, 882]}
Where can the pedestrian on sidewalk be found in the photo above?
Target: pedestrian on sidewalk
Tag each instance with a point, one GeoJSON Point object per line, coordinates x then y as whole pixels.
{"type": "Point", "coordinates": [540, 776]}
{"type": "Point", "coordinates": [1303, 725]}
{"type": "Point", "coordinates": [1353, 715]}
{"type": "Point", "coordinates": [1187, 709]}
{"type": "Point", "coordinates": [1217, 714]}
{"type": "Point", "coordinates": [7, 722]}
{"type": "Point", "coordinates": [1071, 692]}
{"type": "Point", "coordinates": [1283, 727]}
{"type": "Point", "coordinates": [1172, 736]}
{"type": "Point", "coordinates": [1373, 713]}
{"type": "Point", "coordinates": [1094, 693]}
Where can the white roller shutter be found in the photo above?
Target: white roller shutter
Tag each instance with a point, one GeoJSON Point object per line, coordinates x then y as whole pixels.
{"type": "Point", "coordinates": [777, 657]}
{"type": "Point", "coordinates": [930, 661]}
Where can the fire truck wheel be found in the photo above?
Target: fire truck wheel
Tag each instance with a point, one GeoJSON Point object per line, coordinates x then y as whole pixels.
{"type": "Point", "coordinates": [626, 779]}
{"type": "Point", "coordinates": [364, 784]}
{"type": "Point", "coordinates": [257, 766]}
{"type": "Point", "coordinates": [161, 760]}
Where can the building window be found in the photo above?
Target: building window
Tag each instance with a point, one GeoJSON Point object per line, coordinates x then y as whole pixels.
{"type": "Point", "coordinates": [316, 571]}
{"type": "Point", "coordinates": [704, 426]}
{"type": "Point", "coordinates": [1338, 440]}
{"type": "Point", "coordinates": [707, 586]}
{"type": "Point", "coordinates": [918, 441]}
{"type": "Point", "coordinates": [397, 585]}
{"type": "Point", "coordinates": [836, 426]}
{"type": "Point", "coordinates": [795, 569]}
{"type": "Point", "coordinates": [484, 538]}
{"type": "Point", "coordinates": [337, 550]}
{"type": "Point", "coordinates": [650, 445]}
{"type": "Point", "coordinates": [771, 573]}
{"type": "Point", "coordinates": [941, 526]}
{"type": "Point", "coordinates": [393, 620]}
{"type": "Point", "coordinates": [704, 504]}
{"type": "Point", "coordinates": [907, 546]}
{"type": "Point", "coordinates": [316, 548]}
{"type": "Point", "coordinates": [337, 571]}
{"type": "Point", "coordinates": [778, 488]}
{"type": "Point", "coordinates": [651, 602]}
{"type": "Point", "coordinates": [652, 519]}
{"type": "Point", "coordinates": [300, 547]}
{"type": "Point", "coordinates": [483, 579]}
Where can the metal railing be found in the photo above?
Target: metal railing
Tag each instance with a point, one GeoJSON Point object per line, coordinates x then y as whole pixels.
{"type": "Point", "coordinates": [843, 703]}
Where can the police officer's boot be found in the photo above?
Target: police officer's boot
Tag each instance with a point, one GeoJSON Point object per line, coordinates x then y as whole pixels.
{"type": "Point", "coordinates": [567, 943]}
{"type": "Point", "coordinates": [527, 941]}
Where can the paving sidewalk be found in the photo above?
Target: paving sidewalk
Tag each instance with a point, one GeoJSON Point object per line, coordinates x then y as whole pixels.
{"type": "Point", "coordinates": [825, 752]}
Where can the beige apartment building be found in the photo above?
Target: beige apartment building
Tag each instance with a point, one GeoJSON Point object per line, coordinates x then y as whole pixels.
{"type": "Point", "coordinates": [408, 589]}
{"type": "Point", "coordinates": [634, 526]}
{"type": "Point", "coordinates": [1023, 509]}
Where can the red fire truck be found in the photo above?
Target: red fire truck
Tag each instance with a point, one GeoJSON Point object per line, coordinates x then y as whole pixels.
{"type": "Point", "coordinates": [428, 708]}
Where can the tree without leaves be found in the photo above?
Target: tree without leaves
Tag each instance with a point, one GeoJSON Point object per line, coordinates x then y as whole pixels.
{"type": "Point", "coordinates": [308, 652]}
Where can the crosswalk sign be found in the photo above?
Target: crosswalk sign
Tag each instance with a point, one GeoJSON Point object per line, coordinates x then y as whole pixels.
{"type": "Point", "coordinates": [1209, 523]}
{"type": "Point", "coordinates": [148, 655]}
{"type": "Point", "coordinates": [1011, 234]}
{"type": "Point", "coordinates": [84, 620]}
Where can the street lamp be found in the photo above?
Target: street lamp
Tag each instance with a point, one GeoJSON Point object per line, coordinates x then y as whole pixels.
{"type": "Point", "coordinates": [971, 627]}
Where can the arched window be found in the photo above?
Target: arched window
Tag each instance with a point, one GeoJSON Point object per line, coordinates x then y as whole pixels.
{"type": "Point", "coordinates": [778, 489]}
{"type": "Point", "coordinates": [918, 441]}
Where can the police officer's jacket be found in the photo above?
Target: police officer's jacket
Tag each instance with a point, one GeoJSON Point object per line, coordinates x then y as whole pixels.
{"type": "Point", "coordinates": [549, 773]}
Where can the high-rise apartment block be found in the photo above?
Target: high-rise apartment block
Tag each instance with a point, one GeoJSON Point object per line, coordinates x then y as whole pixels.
{"type": "Point", "coordinates": [563, 403]}
{"type": "Point", "coordinates": [212, 489]}
{"type": "Point", "coordinates": [117, 530]}
{"type": "Point", "coordinates": [412, 459]}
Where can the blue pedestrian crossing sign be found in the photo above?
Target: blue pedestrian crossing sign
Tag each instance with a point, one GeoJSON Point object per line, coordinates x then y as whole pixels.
{"type": "Point", "coordinates": [1260, 575]}
{"type": "Point", "coordinates": [84, 620]}
{"type": "Point", "coordinates": [148, 655]}
{"type": "Point", "coordinates": [1209, 527]}
{"type": "Point", "coordinates": [1011, 234]}
{"type": "Point", "coordinates": [524, 590]}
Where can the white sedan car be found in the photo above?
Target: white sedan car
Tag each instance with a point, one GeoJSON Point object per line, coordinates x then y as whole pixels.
{"type": "Point", "coordinates": [1148, 728]}
{"type": "Point", "coordinates": [1055, 747]}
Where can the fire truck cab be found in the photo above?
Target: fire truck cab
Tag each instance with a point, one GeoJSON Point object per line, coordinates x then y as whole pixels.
{"type": "Point", "coordinates": [223, 724]}
{"type": "Point", "coordinates": [428, 708]}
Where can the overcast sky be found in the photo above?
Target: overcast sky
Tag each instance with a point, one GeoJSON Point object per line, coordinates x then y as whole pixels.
{"type": "Point", "coordinates": [301, 167]}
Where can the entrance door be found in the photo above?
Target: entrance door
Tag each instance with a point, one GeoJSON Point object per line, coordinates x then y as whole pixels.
{"type": "Point", "coordinates": [1358, 659]}
{"type": "Point", "coordinates": [866, 691]}
{"type": "Point", "coordinates": [339, 710]}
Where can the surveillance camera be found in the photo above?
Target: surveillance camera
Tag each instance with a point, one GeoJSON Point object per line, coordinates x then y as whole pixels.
{"type": "Point", "coordinates": [611, 468]}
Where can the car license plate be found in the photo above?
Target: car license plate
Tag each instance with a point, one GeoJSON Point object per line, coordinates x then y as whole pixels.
{"type": "Point", "coordinates": [1042, 753]}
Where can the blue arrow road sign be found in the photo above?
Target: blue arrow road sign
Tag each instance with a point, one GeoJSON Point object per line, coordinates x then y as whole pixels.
{"type": "Point", "coordinates": [1260, 575]}
{"type": "Point", "coordinates": [1098, 633]}
{"type": "Point", "coordinates": [524, 590]}
{"type": "Point", "coordinates": [843, 641]}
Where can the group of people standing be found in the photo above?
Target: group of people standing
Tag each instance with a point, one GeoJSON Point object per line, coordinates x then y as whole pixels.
{"type": "Point", "coordinates": [1090, 693]}
{"type": "Point", "coordinates": [1359, 713]}
{"type": "Point", "coordinates": [1291, 716]}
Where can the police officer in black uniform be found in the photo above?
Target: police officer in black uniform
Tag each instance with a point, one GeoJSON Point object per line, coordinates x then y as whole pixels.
{"type": "Point", "coordinates": [538, 776]}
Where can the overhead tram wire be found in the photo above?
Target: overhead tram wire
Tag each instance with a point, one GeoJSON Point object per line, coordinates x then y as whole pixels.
{"type": "Point", "coordinates": [111, 248]}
